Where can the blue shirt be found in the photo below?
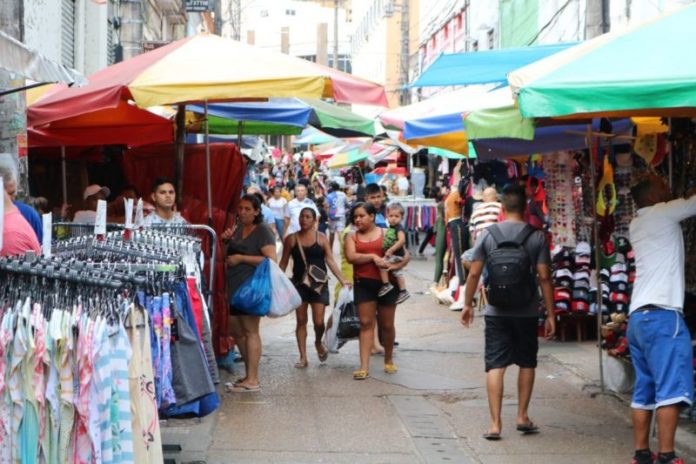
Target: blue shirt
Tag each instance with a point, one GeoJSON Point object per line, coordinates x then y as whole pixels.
{"type": "Point", "coordinates": [32, 218]}
{"type": "Point", "coordinates": [380, 221]}
{"type": "Point", "coordinates": [267, 214]}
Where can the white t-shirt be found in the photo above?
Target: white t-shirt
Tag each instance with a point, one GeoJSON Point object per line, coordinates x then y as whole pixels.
{"type": "Point", "coordinates": [278, 206]}
{"type": "Point", "coordinates": [153, 218]}
{"type": "Point", "coordinates": [85, 216]}
{"type": "Point", "coordinates": [340, 203]}
{"type": "Point", "coordinates": [658, 244]}
{"type": "Point", "coordinates": [402, 184]}
{"type": "Point", "coordinates": [293, 212]}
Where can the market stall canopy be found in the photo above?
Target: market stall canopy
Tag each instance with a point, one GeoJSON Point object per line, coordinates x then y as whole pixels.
{"type": "Point", "coordinates": [207, 67]}
{"type": "Point", "coordinates": [125, 124]}
{"type": "Point", "coordinates": [16, 57]}
{"type": "Point", "coordinates": [354, 155]}
{"type": "Point", "coordinates": [312, 136]}
{"type": "Point", "coordinates": [483, 67]}
{"type": "Point", "coordinates": [646, 70]}
{"type": "Point", "coordinates": [330, 118]}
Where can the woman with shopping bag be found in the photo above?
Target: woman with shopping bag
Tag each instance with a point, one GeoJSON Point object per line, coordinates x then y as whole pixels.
{"type": "Point", "coordinates": [364, 250]}
{"type": "Point", "coordinates": [311, 255]}
{"type": "Point", "coordinates": [249, 244]}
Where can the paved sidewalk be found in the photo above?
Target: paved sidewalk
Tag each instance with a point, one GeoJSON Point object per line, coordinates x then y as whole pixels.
{"type": "Point", "coordinates": [433, 410]}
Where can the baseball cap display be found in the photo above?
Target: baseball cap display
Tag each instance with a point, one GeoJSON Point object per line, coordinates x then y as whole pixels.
{"type": "Point", "coordinates": [94, 189]}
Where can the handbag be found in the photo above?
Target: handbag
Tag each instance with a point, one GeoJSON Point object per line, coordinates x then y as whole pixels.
{"type": "Point", "coordinates": [314, 278]}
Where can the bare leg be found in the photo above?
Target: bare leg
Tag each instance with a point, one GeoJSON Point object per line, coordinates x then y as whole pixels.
{"type": "Point", "coordinates": [331, 240]}
{"type": "Point", "coordinates": [494, 387]}
{"type": "Point", "coordinates": [401, 282]}
{"type": "Point", "coordinates": [318, 310]}
{"type": "Point", "coordinates": [386, 325]}
{"type": "Point", "coordinates": [641, 428]}
{"type": "Point", "coordinates": [377, 347]}
{"type": "Point", "coordinates": [301, 334]}
{"type": "Point", "coordinates": [384, 276]}
{"type": "Point", "coordinates": [525, 385]}
{"type": "Point", "coordinates": [253, 349]}
{"type": "Point", "coordinates": [237, 332]}
{"type": "Point", "coordinates": [367, 313]}
{"type": "Point", "coordinates": [667, 418]}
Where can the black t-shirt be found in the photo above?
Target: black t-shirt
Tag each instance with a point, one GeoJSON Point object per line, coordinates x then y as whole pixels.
{"type": "Point", "coordinates": [260, 237]}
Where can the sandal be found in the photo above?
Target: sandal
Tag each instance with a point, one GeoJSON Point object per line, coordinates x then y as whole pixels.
{"type": "Point", "coordinates": [301, 365]}
{"type": "Point", "coordinates": [360, 375]}
{"type": "Point", "coordinates": [390, 368]}
{"type": "Point", "coordinates": [323, 354]}
{"type": "Point", "coordinates": [245, 389]}
{"type": "Point", "coordinates": [528, 428]}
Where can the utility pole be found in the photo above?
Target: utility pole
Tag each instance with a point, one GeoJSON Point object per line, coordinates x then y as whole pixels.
{"type": "Point", "coordinates": [405, 56]}
{"type": "Point", "coordinates": [596, 18]}
{"type": "Point", "coordinates": [335, 53]}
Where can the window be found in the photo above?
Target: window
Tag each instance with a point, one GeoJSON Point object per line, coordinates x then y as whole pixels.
{"type": "Point", "coordinates": [67, 50]}
{"type": "Point", "coordinates": [460, 20]}
{"type": "Point", "coordinates": [445, 31]}
{"type": "Point", "coordinates": [491, 38]}
{"type": "Point", "coordinates": [290, 12]}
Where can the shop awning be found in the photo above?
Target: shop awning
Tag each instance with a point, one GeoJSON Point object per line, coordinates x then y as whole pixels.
{"type": "Point", "coordinates": [646, 70]}
{"type": "Point", "coordinates": [312, 136]}
{"type": "Point", "coordinates": [483, 67]}
{"type": "Point", "coordinates": [16, 57]}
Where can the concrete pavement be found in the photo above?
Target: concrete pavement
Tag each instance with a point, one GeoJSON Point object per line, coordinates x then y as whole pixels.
{"type": "Point", "coordinates": [433, 410]}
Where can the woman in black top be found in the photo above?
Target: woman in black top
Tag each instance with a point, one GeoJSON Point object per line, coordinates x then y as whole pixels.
{"type": "Point", "coordinates": [316, 250]}
{"type": "Point", "coordinates": [249, 244]}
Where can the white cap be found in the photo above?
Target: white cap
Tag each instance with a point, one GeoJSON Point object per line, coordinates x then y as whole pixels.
{"type": "Point", "coordinates": [94, 189]}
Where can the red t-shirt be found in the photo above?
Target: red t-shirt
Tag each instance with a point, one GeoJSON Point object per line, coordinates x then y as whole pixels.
{"type": "Point", "coordinates": [17, 235]}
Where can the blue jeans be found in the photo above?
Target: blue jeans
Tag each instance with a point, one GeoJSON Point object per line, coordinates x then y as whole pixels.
{"type": "Point", "coordinates": [280, 226]}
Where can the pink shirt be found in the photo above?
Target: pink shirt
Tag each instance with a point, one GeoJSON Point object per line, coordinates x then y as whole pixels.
{"type": "Point", "coordinates": [17, 236]}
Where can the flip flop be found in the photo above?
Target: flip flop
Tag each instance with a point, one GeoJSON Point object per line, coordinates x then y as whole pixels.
{"type": "Point", "coordinates": [301, 365]}
{"type": "Point", "coordinates": [390, 368]}
{"type": "Point", "coordinates": [492, 436]}
{"type": "Point", "coordinates": [324, 354]}
{"type": "Point", "coordinates": [360, 375]}
{"type": "Point", "coordinates": [244, 389]}
{"type": "Point", "coordinates": [528, 428]}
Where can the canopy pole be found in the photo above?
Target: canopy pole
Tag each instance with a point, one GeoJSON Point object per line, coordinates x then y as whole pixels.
{"type": "Point", "coordinates": [207, 166]}
{"type": "Point", "coordinates": [597, 254]}
{"type": "Point", "coordinates": [180, 147]}
{"type": "Point", "coordinates": [64, 174]}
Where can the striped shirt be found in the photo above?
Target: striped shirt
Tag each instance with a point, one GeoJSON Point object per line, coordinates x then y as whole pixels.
{"type": "Point", "coordinates": [484, 215]}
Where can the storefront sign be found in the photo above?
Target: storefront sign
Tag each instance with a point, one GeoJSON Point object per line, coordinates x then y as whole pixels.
{"type": "Point", "coordinates": [198, 6]}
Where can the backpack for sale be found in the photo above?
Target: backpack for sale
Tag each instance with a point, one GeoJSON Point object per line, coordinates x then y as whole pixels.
{"type": "Point", "coordinates": [511, 281]}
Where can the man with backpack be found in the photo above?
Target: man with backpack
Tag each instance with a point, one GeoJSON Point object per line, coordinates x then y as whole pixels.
{"type": "Point", "coordinates": [518, 262]}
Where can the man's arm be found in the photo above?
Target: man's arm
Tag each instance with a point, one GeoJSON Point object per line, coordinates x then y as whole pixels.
{"type": "Point", "coordinates": [546, 284]}
{"type": "Point", "coordinates": [472, 282]}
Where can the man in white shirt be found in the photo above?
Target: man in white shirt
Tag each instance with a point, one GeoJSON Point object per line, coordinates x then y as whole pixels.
{"type": "Point", "coordinates": [292, 215]}
{"type": "Point", "coordinates": [164, 198]}
{"type": "Point", "coordinates": [338, 203]}
{"type": "Point", "coordinates": [91, 196]}
{"type": "Point", "coordinates": [402, 186]}
{"type": "Point", "coordinates": [659, 342]}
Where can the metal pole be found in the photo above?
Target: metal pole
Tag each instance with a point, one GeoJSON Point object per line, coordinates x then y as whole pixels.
{"type": "Point", "coordinates": [64, 172]}
{"type": "Point", "coordinates": [598, 256]}
{"type": "Point", "coordinates": [180, 148]}
{"type": "Point", "coordinates": [208, 180]}
{"type": "Point", "coordinates": [335, 53]}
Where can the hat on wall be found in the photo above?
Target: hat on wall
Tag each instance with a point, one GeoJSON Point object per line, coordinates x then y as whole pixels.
{"type": "Point", "coordinates": [94, 189]}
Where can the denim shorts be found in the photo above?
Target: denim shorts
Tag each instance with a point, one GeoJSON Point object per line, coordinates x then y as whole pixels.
{"type": "Point", "coordinates": [662, 357]}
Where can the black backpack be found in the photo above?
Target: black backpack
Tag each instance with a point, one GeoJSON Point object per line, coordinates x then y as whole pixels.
{"type": "Point", "coordinates": [511, 278]}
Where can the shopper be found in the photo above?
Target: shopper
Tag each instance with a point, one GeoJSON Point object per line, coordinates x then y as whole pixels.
{"type": "Point", "coordinates": [375, 196]}
{"type": "Point", "coordinates": [29, 213]}
{"type": "Point", "coordinates": [249, 244]}
{"type": "Point", "coordinates": [279, 206]}
{"type": "Point", "coordinates": [394, 245]}
{"type": "Point", "coordinates": [307, 247]}
{"type": "Point", "coordinates": [292, 216]}
{"type": "Point", "coordinates": [17, 235]}
{"type": "Point", "coordinates": [164, 199]}
{"type": "Point", "coordinates": [91, 196]}
{"type": "Point", "coordinates": [338, 204]}
{"type": "Point", "coordinates": [511, 324]}
{"type": "Point", "coordinates": [364, 251]}
{"type": "Point", "coordinates": [659, 341]}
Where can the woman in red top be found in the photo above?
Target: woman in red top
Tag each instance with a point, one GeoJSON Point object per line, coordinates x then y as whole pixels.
{"type": "Point", "coordinates": [364, 251]}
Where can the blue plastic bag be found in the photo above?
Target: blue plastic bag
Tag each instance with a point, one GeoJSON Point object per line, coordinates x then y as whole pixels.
{"type": "Point", "coordinates": [254, 296]}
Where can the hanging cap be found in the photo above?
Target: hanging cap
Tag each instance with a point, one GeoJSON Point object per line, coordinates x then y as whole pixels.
{"type": "Point", "coordinates": [94, 189]}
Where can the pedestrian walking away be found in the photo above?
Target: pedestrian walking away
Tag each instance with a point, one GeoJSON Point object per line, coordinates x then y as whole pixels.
{"type": "Point", "coordinates": [310, 252]}
{"type": "Point", "coordinates": [658, 339]}
{"type": "Point", "coordinates": [248, 245]}
{"type": "Point", "coordinates": [518, 261]}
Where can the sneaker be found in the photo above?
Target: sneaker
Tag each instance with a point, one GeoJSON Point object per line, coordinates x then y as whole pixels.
{"type": "Point", "coordinates": [384, 289]}
{"type": "Point", "coordinates": [457, 306]}
{"type": "Point", "coordinates": [403, 296]}
{"type": "Point", "coordinates": [675, 461]}
{"type": "Point", "coordinates": [652, 460]}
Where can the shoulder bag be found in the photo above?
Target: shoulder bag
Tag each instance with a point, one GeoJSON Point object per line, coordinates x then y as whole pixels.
{"type": "Point", "coordinates": [314, 278]}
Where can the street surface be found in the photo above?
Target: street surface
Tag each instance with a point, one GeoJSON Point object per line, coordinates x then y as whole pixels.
{"type": "Point", "coordinates": [434, 410]}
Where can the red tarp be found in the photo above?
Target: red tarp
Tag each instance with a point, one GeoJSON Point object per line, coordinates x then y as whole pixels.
{"type": "Point", "coordinates": [228, 167]}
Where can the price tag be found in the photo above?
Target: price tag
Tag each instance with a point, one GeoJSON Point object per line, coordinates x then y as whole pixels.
{"type": "Point", "coordinates": [129, 213]}
{"type": "Point", "coordinates": [139, 217]}
{"type": "Point", "coordinates": [47, 220]}
{"type": "Point", "coordinates": [100, 220]}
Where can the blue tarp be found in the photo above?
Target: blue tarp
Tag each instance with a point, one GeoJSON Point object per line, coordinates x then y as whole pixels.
{"type": "Point", "coordinates": [288, 111]}
{"type": "Point", "coordinates": [484, 67]}
{"type": "Point", "coordinates": [547, 140]}
{"type": "Point", "coordinates": [432, 126]}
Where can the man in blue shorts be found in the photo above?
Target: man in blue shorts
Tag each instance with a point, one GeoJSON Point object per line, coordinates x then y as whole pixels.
{"type": "Point", "coordinates": [659, 342]}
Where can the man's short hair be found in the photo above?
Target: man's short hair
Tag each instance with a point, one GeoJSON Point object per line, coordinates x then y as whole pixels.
{"type": "Point", "coordinates": [514, 199]}
{"type": "Point", "coordinates": [7, 173]}
{"type": "Point", "coordinates": [373, 189]}
{"type": "Point", "coordinates": [396, 206]}
{"type": "Point", "coordinates": [161, 181]}
{"type": "Point", "coordinates": [641, 189]}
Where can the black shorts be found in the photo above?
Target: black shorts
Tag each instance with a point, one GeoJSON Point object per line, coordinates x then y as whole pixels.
{"type": "Point", "coordinates": [310, 296]}
{"type": "Point", "coordinates": [511, 340]}
{"type": "Point", "coordinates": [365, 290]}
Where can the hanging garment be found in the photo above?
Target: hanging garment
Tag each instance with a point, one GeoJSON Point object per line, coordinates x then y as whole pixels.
{"type": "Point", "coordinates": [121, 417]}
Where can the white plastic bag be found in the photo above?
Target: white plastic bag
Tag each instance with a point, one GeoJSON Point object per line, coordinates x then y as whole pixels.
{"type": "Point", "coordinates": [284, 296]}
{"type": "Point", "coordinates": [345, 296]}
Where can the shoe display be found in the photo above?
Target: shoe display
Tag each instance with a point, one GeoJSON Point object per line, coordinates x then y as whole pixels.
{"type": "Point", "coordinates": [384, 289]}
{"type": "Point", "coordinates": [403, 296]}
